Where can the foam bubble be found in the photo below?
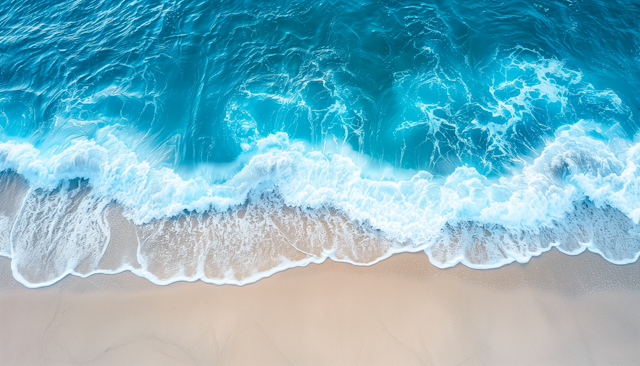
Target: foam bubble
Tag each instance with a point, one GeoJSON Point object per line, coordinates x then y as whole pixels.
{"type": "Point", "coordinates": [465, 217]}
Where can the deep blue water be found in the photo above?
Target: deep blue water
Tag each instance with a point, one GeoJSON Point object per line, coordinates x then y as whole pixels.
{"type": "Point", "coordinates": [504, 113]}
{"type": "Point", "coordinates": [417, 85]}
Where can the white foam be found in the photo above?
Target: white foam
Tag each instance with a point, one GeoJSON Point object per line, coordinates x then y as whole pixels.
{"type": "Point", "coordinates": [572, 168]}
{"type": "Point", "coordinates": [463, 218]}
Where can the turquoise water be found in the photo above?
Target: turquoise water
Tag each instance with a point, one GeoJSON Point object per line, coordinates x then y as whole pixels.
{"type": "Point", "coordinates": [405, 117]}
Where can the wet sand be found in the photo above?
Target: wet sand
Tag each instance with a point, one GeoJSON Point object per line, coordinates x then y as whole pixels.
{"type": "Point", "coordinates": [554, 310]}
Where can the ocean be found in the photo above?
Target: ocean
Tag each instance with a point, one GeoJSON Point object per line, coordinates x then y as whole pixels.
{"type": "Point", "coordinates": [224, 141]}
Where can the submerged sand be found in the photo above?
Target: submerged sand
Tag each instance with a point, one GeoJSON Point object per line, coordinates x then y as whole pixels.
{"type": "Point", "coordinates": [554, 310]}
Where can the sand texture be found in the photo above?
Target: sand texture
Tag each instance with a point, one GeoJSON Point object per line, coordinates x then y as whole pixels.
{"type": "Point", "coordinates": [554, 310]}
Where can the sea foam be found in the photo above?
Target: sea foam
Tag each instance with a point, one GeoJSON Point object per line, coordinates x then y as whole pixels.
{"type": "Point", "coordinates": [182, 225]}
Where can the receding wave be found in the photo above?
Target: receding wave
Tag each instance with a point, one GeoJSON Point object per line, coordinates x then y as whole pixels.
{"type": "Point", "coordinates": [75, 213]}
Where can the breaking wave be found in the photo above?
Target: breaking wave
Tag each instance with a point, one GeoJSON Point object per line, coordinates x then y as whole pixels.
{"type": "Point", "coordinates": [225, 142]}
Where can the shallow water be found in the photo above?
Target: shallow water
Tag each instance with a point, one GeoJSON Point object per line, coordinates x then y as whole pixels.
{"type": "Point", "coordinates": [238, 138]}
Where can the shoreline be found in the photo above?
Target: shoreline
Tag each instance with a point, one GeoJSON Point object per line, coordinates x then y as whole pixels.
{"type": "Point", "coordinates": [555, 309]}
{"type": "Point", "coordinates": [82, 234]}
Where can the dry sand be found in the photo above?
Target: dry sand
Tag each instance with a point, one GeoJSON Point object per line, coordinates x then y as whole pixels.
{"type": "Point", "coordinates": [554, 310]}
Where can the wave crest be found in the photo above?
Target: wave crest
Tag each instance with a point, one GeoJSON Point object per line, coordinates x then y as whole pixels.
{"type": "Point", "coordinates": [291, 205]}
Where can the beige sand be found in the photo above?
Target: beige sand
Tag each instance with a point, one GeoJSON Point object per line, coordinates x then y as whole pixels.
{"type": "Point", "coordinates": [555, 310]}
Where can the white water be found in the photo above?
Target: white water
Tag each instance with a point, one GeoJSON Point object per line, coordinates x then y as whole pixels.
{"type": "Point", "coordinates": [290, 206]}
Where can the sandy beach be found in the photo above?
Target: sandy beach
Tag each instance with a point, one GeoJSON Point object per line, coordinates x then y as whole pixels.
{"type": "Point", "coordinates": [448, 183]}
{"type": "Point", "coordinates": [554, 310]}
